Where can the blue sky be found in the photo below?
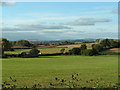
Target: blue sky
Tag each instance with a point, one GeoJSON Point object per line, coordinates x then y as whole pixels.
{"type": "Point", "coordinates": [59, 20]}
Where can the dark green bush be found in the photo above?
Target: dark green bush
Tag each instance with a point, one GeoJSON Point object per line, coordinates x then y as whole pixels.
{"type": "Point", "coordinates": [97, 47]}
{"type": "Point", "coordinates": [87, 52]}
{"type": "Point", "coordinates": [62, 50]}
{"type": "Point", "coordinates": [34, 51]}
{"type": "Point", "coordinates": [83, 47]}
{"type": "Point", "coordinates": [75, 51]}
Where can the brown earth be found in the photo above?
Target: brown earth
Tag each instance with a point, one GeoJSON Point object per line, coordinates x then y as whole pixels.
{"type": "Point", "coordinates": [115, 50]}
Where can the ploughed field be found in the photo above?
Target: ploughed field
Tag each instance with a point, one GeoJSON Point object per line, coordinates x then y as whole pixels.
{"type": "Point", "coordinates": [44, 69]}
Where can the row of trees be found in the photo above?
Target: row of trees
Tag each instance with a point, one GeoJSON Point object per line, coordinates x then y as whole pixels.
{"type": "Point", "coordinates": [28, 44]}
{"type": "Point", "coordinates": [96, 48]}
{"type": "Point", "coordinates": [6, 46]}
{"type": "Point", "coordinates": [21, 43]}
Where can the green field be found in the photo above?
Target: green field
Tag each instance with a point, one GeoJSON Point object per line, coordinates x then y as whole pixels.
{"type": "Point", "coordinates": [44, 69]}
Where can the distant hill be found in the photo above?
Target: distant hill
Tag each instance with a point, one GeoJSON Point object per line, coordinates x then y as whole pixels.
{"type": "Point", "coordinates": [55, 41]}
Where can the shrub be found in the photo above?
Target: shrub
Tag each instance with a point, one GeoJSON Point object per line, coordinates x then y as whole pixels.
{"type": "Point", "coordinates": [62, 50]}
{"type": "Point", "coordinates": [75, 51]}
{"type": "Point", "coordinates": [87, 52]}
{"type": "Point", "coordinates": [69, 53]}
{"type": "Point", "coordinates": [34, 51]}
{"type": "Point", "coordinates": [113, 44]}
{"type": "Point", "coordinates": [97, 47]}
{"type": "Point", "coordinates": [105, 43]}
{"type": "Point", "coordinates": [83, 47]}
{"type": "Point", "coordinates": [23, 43]}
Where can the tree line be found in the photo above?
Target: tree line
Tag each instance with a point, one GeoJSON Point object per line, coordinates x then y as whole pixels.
{"type": "Point", "coordinates": [96, 48]}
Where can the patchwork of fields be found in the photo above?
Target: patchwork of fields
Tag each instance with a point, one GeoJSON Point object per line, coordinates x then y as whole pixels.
{"type": "Point", "coordinates": [42, 50]}
{"type": "Point", "coordinates": [51, 50]}
{"type": "Point", "coordinates": [45, 69]}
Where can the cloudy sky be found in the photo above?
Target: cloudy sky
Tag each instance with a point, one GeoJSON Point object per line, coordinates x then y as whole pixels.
{"type": "Point", "coordinates": [59, 20]}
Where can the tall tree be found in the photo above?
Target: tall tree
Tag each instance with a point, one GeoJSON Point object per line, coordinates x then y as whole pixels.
{"type": "Point", "coordinates": [6, 45]}
{"type": "Point", "coordinates": [97, 47]}
{"type": "Point", "coordinates": [105, 43]}
{"type": "Point", "coordinates": [23, 43]}
{"type": "Point", "coordinates": [83, 47]}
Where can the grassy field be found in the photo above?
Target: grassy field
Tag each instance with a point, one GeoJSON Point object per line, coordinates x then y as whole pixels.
{"type": "Point", "coordinates": [44, 69]}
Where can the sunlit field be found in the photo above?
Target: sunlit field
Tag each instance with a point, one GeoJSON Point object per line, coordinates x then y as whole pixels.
{"type": "Point", "coordinates": [45, 69]}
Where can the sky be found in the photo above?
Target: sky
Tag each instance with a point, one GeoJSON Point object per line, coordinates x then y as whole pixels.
{"type": "Point", "coordinates": [59, 20]}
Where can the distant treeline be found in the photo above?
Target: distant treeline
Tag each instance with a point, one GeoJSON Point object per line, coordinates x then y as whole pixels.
{"type": "Point", "coordinates": [101, 45]}
{"type": "Point", "coordinates": [28, 44]}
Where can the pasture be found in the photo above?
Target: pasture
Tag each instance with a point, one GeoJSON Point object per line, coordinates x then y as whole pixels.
{"type": "Point", "coordinates": [45, 69]}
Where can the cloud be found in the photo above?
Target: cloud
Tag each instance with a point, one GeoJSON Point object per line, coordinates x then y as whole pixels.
{"type": "Point", "coordinates": [36, 28]}
{"type": "Point", "coordinates": [7, 3]}
{"type": "Point", "coordinates": [41, 27]}
{"type": "Point", "coordinates": [87, 21]}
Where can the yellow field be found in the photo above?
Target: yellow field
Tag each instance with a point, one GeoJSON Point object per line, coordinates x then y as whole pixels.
{"type": "Point", "coordinates": [77, 45]}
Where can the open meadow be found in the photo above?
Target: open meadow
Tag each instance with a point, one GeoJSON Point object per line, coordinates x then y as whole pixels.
{"type": "Point", "coordinates": [44, 69]}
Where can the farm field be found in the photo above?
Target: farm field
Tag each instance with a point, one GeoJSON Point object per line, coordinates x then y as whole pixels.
{"type": "Point", "coordinates": [42, 50]}
{"type": "Point", "coordinates": [50, 50]}
{"type": "Point", "coordinates": [45, 69]}
{"type": "Point", "coordinates": [77, 45]}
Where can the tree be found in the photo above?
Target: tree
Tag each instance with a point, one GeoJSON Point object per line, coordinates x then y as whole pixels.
{"type": "Point", "coordinates": [83, 47]}
{"type": "Point", "coordinates": [87, 52]}
{"type": "Point", "coordinates": [97, 47]}
{"type": "Point", "coordinates": [67, 42]}
{"type": "Point", "coordinates": [113, 43]}
{"type": "Point", "coordinates": [76, 51]}
{"type": "Point", "coordinates": [118, 43]}
{"type": "Point", "coordinates": [6, 46]}
{"type": "Point", "coordinates": [34, 51]}
{"type": "Point", "coordinates": [70, 52]}
{"type": "Point", "coordinates": [23, 43]}
{"type": "Point", "coordinates": [105, 43]}
{"type": "Point", "coordinates": [13, 43]}
{"type": "Point", "coordinates": [62, 50]}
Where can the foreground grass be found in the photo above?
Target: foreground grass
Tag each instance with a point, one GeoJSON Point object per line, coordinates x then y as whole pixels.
{"type": "Point", "coordinates": [29, 71]}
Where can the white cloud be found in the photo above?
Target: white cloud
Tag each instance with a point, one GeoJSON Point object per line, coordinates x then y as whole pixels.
{"type": "Point", "coordinates": [87, 21]}
{"type": "Point", "coordinates": [7, 3]}
{"type": "Point", "coordinates": [42, 27]}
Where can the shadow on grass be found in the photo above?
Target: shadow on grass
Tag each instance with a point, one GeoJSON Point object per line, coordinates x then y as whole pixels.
{"type": "Point", "coordinates": [40, 57]}
{"type": "Point", "coordinates": [48, 57]}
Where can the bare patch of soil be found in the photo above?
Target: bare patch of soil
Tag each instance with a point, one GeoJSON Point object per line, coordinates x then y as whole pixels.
{"type": "Point", "coordinates": [115, 50]}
